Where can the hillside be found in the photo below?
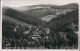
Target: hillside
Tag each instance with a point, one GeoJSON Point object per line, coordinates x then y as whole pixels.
{"type": "Point", "coordinates": [36, 13]}
{"type": "Point", "coordinates": [23, 17]}
{"type": "Point", "coordinates": [72, 5]}
{"type": "Point", "coordinates": [39, 11]}
{"type": "Point", "coordinates": [68, 6]}
{"type": "Point", "coordinates": [63, 20]}
{"type": "Point", "coordinates": [36, 16]}
{"type": "Point", "coordinates": [22, 8]}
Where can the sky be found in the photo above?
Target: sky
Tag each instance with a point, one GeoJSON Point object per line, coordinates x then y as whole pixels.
{"type": "Point", "coordinates": [18, 3]}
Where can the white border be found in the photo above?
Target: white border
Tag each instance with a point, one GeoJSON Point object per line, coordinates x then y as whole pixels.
{"type": "Point", "coordinates": [36, 49]}
{"type": "Point", "coordinates": [79, 27]}
{"type": "Point", "coordinates": [0, 24]}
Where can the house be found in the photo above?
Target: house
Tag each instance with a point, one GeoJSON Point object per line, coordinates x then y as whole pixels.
{"type": "Point", "coordinates": [47, 30]}
{"type": "Point", "coordinates": [35, 35]}
{"type": "Point", "coordinates": [26, 32]}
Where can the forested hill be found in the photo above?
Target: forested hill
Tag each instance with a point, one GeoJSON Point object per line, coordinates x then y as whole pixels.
{"type": "Point", "coordinates": [22, 17]}
{"type": "Point", "coordinates": [62, 20]}
{"type": "Point", "coordinates": [55, 24]}
{"type": "Point", "coordinates": [68, 6]}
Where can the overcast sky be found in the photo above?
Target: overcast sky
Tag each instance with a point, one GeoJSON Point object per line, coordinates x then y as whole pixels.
{"type": "Point", "coordinates": [18, 3]}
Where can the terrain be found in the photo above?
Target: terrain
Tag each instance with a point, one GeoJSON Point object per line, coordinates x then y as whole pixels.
{"type": "Point", "coordinates": [40, 27]}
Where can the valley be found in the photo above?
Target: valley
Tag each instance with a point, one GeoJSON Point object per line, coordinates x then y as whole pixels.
{"type": "Point", "coordinates": [40, 27]}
